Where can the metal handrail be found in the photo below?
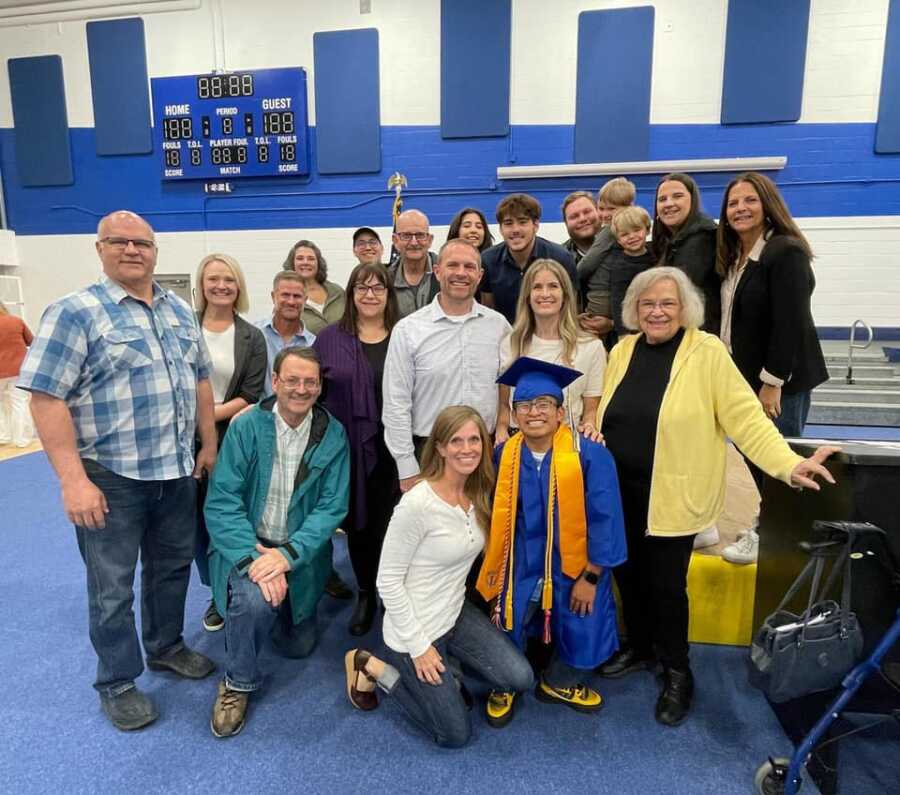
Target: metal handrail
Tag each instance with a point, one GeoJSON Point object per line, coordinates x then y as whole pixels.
{"type": "Point", "coordinates": [857, 346]}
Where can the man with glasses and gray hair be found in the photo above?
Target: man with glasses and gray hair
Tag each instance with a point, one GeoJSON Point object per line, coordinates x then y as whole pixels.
{"type": "Point", "coordinates": [279, 491]}
{"type": "Point", "coordinates": [119, 377]}
{"type": "Point", "coordinates": [412, 274]}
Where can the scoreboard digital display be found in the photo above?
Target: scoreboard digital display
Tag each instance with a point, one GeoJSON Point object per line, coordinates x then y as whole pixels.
{"type": "Point", "coordinates": [239, 124]}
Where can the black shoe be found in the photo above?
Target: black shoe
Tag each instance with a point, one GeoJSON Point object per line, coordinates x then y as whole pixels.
{"type": "Point", "coordinates": [624, 662]}
{"type": "Point", "coordinates": [674, 702]}
{"type": "Point", "coordinates": [363, 613]}
{"type": "Point", "coordinates": [130, 710]}
{"type": "Point", "coordinates": [212, 620]}
{"type": "Point", "coordinates": [336, 588]}
{"type": "Point", "coordinates": [184, 662]}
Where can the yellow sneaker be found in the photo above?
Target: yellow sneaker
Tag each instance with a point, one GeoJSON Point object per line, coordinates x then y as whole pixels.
{"type": "Point", "coordinates": [580, 698]}
{"type": "Point", "coordinates": [499, 708]}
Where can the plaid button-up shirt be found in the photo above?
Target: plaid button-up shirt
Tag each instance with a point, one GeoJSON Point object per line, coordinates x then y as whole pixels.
{"type": "Point", "coordinates": [128, 373]}
{"type": "Point", "coordinates": [290, 445]}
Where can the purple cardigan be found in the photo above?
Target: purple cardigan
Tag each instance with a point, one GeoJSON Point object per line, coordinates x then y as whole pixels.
{"type": "Point", "coordinates": [350, 397]}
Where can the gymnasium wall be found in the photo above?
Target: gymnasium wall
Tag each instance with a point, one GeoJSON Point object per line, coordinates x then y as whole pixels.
{"type": "Point", "coordinates": [845, 196]}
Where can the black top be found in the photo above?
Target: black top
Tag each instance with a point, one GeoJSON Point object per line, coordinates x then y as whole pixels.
{"type": "Point", "coordinates": [623, 268]}
{"type": "Point", "coordinates": [629, 423]}
{"type": "Point", "coordinates": [771, 320]}
{"type": "Point", "coordinates": [376, 352]}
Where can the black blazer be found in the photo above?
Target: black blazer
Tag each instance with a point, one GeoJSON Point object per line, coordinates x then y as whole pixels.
{"type": "Point", "coordinates": [250, 365]}
{"type": "Point", "coordinates": [771, 321]}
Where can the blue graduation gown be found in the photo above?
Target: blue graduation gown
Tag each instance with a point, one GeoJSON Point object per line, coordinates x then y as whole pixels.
{"type": "Point", "coordinates": [581, 642]}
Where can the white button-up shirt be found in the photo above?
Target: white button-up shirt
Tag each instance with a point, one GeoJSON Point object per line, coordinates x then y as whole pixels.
{"type": "Point", "coordinates": [435, 360]}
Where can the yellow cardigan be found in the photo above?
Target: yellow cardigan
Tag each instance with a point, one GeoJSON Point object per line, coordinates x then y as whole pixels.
{"type": "Point", "coordinates": [706, 400]}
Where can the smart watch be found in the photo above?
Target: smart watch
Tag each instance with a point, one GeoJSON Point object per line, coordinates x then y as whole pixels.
{"type": "Point", "coordinates": [590, 577]}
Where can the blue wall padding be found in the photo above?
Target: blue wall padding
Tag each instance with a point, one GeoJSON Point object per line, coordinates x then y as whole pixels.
{"type": "Point", "coordinates": [475, 56]}
{"type": "Point", "coordinates": [765, 55]}
{"type": "Point", "coordinates": [348, 108]}
{"type": "Point", "coordinates": [43, 151]}
{"type": "Point", "coordinates": [612, 103]}
{"type": "Point", "coordinates": [119, 92]}
{"type": "Point", "coordinates": [887, 131]}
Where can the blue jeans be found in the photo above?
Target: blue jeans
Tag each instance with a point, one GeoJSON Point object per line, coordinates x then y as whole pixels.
{"type": "Point", "coordinates": [249, 621]}
{"type": "Point", "coordinates": [439, 710]}
{"type": "Point", "coordinates": [156, 518]}
{"type": "Point", "coordinates": [794, 411]}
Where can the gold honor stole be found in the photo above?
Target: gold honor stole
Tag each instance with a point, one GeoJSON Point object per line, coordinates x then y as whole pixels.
{"type": "Point", "coordinates": [565, 501]}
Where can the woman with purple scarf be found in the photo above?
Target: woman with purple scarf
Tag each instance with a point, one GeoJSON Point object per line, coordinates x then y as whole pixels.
{"type": "Point", "coordinates": [352, 352]}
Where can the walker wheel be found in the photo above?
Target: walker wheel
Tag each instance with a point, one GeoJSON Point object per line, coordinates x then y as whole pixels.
{"type": "Point", "coordinates": [771, 776]}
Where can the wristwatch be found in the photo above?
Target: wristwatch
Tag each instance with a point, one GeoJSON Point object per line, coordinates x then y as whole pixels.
{"type": "Point", "coordinates": [590, 577]}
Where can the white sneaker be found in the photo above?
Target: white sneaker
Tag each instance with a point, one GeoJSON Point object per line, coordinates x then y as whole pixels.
{"type": "Point", "coordinates": [707, 538]}
{"type": "Point", "coordinates": [743, 551]}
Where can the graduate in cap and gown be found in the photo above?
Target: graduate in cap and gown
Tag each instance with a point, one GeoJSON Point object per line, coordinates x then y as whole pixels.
{"type": "Point", "coordinates": [556, 530]}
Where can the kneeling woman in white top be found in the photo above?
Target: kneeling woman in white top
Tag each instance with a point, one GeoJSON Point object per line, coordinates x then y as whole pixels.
{"type": "Point", "coordinates": [435, 534]}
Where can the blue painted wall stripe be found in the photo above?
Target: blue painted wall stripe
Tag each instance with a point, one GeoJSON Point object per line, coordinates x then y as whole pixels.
{"type": "Point", "coordinates": [348, 109]}
{"type": "Point", "coordinates": [119, 88]}
{"type": "Point", "coordinates": [612, 108]}
{"type": "Point", "coordinates": [472, 108]}
{"type": "Point", "coordinates": [43, 154]}
{"type": "Point", "coordinates": [832, 171]}
{"type": "Point", "coordinates": [765, 55]}
{"type": "Point", "coordinates": [887, 135]}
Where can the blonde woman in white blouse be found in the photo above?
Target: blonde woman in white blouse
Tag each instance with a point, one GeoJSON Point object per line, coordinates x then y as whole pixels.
{"type": "Point", "coordinates": [435, 534]}
{"type": "Point", "coordinates": [546, 328]}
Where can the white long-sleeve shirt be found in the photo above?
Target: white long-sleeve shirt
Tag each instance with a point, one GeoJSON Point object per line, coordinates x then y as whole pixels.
{"type": "Point", "coordinates": [428, 550]}
{"type": "Point", "coordinates": [435, 360]}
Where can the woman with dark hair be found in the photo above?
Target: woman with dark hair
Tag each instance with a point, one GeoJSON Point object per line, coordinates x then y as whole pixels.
{"type": "Point", "coordinates": [437, 531]}
{"type": "Point", "coordinates": [469, 224]}
{"type": "Point", "coordinates": [237, 350]}
{"type": "Point", "coordinates": [324, 299]}
{"type": "Point", "coordinates": [352, 353]}
{"type": "Point", "coordinates": [685, 237]}
{"type": "Point", "coordinates": [767, 322]}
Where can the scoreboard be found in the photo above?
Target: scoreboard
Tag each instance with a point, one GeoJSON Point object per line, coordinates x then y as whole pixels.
{"type": "Point", "coordinates": [237, 124]}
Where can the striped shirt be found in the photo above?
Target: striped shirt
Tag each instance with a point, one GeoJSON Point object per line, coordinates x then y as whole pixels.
{"type": "Point", "coordinates": [290, 445]}
{"type": "Point", "coordinates": [128, 373]}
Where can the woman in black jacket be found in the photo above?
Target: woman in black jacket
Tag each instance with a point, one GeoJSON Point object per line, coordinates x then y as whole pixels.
{"type": "Point", "coordinates": [685, 237]}
{"type": "Point", "coordinates": [767, 323]}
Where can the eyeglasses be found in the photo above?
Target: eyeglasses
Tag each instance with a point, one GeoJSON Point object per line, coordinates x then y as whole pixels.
{"type": "Point", "coordinates": [421, 237]}
{"type": "Point", "coordinates": [377, 290]}
{"type": "Point", "coordinates": [541, 405]}
{"type": "Point", "coordinates": [366, 243]}
{"type": "Point", "coordinates": [292, 382]}
{"type": "Point", "coordinates": [122, 242]}
{"type": "Point", "coordinates": [666, 305]}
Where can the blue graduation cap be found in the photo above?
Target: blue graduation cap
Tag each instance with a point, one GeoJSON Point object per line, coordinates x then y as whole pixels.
{"type": "Point", "coordinates": [534, 378]}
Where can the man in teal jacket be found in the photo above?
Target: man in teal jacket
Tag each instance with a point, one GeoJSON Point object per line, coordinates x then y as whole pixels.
{"type": "Point", "coordinates": [278, 492]}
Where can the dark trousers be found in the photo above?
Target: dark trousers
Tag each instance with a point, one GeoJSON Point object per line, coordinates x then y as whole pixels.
{"type": "Point", "coordinates": [155, 519]}
{"type": "Point", "coordinates": [364, 543]}
{"type": "Point", "coordinates": [653, 584]}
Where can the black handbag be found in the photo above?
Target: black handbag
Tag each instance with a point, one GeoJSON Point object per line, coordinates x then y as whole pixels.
{"type": "Point", "coordinates": [794, 655]}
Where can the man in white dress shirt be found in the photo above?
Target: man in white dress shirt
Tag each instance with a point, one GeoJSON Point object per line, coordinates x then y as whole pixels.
{"type": "Point", "coordinates": [444, 354]}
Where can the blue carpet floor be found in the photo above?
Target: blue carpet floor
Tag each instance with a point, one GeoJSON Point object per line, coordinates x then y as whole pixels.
{"type": "Point", "coordinates": [302, 735]}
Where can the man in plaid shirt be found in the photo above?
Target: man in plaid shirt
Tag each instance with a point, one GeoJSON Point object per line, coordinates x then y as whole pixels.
{"type": "Point", "coordinates": [119, 377]}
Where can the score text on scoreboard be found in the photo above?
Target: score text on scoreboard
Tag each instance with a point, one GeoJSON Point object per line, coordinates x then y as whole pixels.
{"type": "Point", "coordinates": [240, 124]}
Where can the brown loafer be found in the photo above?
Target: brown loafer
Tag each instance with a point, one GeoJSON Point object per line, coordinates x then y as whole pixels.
{"type": "Point", "coordinates": [355, 664]}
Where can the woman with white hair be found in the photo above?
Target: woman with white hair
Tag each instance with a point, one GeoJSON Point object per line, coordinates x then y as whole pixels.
{"type": "Point", "coordinates": [671, 396]}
